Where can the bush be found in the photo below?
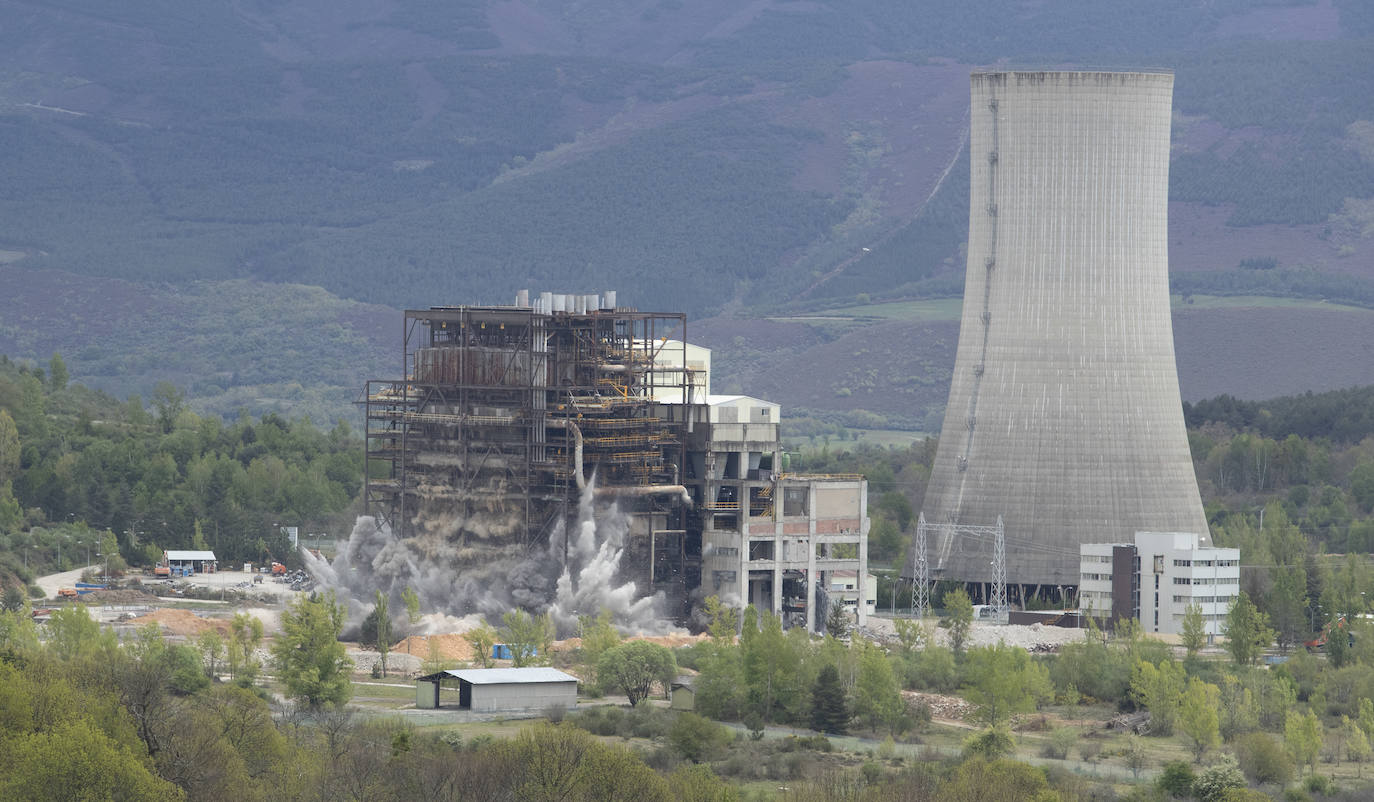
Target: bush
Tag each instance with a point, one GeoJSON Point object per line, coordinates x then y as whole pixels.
{"type": "Point", "coordinates": [1176, 779]}
{"type": "Point", "coordinates": [1089, 750]}
{"type": "Point", "coordinates": [1263, 759]}
{"type": "Point", "coordinates": [646, 722]}
{"type": "Point", "coordinates": [990, 744]}
{"type": "Point", "coordinates": [697, 739]}
{"type": "Point", "coordinates": [1058, 744]}
{"type": "Point", "coordinates": [1320, 784]}
{"type": "Point", "coordinates": [1215, 780]}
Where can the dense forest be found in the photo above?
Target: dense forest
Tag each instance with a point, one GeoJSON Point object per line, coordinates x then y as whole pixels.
{"type": "Point", "coordinates": [78, 467]}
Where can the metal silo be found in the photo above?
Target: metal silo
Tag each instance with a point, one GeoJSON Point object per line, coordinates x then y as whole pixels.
{"type": "Point", "coordinates": [1064, 415]}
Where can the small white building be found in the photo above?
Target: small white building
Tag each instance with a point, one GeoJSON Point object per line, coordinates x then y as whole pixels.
{"type": "Point", "coordinates": [1157, 578]}
{"type": "Point", "coordinates": [844, 586]}
{"type": "Point", "coordinates": [186, 562]}
{"type": "Point", "coordinates": [486, 690]}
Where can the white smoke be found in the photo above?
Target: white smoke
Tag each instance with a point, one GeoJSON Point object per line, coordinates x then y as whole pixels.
{"type": "Point", "coordinates": [588, 583]}
{"type": "Point", "coordinates": [568, 577]}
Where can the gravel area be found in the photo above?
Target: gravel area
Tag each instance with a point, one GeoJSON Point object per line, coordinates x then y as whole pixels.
{"type": "Point", "coordinates": [984, 633]}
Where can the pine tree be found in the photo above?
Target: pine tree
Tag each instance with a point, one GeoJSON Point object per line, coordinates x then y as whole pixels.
{"type": "Point", "coordinates": [828, 711]}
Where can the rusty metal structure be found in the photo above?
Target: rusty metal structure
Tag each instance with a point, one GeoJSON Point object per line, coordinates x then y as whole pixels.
{"type": "Point", "coordinates": [507, 412]}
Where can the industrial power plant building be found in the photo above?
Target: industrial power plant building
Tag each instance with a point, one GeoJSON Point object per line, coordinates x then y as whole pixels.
{"type": "Point", "coordinates": [1064, 417]}
{"type": "Point", "coordinates": [508, 415]}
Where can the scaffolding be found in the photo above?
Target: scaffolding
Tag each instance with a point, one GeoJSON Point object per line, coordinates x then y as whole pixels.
{"type": "Point", "coordinates": [507, 412]}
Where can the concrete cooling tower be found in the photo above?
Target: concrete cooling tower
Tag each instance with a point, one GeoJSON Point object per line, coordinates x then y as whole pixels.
{"type": "Point", "coordinates": [1064, 414]}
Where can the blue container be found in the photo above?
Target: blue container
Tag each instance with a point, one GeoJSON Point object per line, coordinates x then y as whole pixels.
{"type": "Point", "coordinates": [501, 651]}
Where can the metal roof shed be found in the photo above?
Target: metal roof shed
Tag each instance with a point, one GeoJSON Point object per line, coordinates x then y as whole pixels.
{"type": "Point", "coordinates": [188, 560]}
{"type": "Point", "coordinates": [486, 690]}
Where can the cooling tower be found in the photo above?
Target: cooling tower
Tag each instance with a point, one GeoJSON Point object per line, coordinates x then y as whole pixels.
{"type": "Point", "coordinates": [1064, 415]}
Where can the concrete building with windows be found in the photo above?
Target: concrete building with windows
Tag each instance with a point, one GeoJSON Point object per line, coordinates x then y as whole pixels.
{"type": "Point", "coordinates": [491, 690]}
{"type": "Point", "coordinates": [1156, 578]}
{"type": "Point", "coordinates": [770, 539]}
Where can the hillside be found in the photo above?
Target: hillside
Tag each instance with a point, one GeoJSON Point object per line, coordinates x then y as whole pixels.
{"type": "Point", "coordinates": [719, 158]}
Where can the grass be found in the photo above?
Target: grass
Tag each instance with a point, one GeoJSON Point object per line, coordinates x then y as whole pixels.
{"type": "Point", "coordinates": [1256, 302]}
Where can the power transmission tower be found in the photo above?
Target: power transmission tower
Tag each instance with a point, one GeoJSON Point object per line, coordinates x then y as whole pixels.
{"type": "Point", "coordinates": [920, 588]}
{"type": "Point", "coordinates": [1000, 608]}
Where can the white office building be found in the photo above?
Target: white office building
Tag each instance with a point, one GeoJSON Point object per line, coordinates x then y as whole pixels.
{"type": "Point", "coordinates": [1156, 578]}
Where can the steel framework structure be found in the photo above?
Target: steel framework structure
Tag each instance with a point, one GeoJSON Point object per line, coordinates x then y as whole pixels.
{"type": "Point", "coordinates": [507, 412]}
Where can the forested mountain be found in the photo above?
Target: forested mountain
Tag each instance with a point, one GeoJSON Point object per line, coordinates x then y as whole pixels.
{"type": "Point", "coordinates": [702, 156]}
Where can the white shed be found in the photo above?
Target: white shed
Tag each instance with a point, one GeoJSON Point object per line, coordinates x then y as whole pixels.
{"type": "Point", "coordinates": [501, 689]}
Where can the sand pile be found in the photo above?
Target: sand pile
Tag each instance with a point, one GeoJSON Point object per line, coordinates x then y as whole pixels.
{"type": "Point", "coordinates": [182, 622]}
{"type": "Point", "coordinates": [451, 647]}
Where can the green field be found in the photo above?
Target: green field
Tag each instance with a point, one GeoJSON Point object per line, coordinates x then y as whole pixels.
{"type": "Point", "coordinates": [1257, 302]}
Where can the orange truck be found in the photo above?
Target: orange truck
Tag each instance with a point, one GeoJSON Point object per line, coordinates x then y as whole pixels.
{"type": "Point", "coordinates": [278, 569]}
{"type": "Point", "coordinates": [67, 593]}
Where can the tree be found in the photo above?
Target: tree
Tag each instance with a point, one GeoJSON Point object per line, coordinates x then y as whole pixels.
{"type": "Point", "coordinates": [1366, 717]}
{"type": "Point", "coordinates": [1198, 716]}
{"type": "Point", "coordinates": [1159, 689]}
{"type": "Point", "coordinates": [634, 667]}
{"type": "Point", "coordinates": [13, 600]}
{"type": "Point", "coordinates": [1002, 681]}
{"type": "Point", "coordinates": [877, 697]}
{"type": "Point", "coordinates": [959, 608]}
{"type": "Point", "coordinates": [1357, 748]}
{"type": "Point", "coordinates": [245, 635]}
{"type": "Point", "coordinates": [1176, 779]}
{"type": "Point", "coordinates": [990, 744]}
{"type": "Point", "coordinates": [57, 373]}
{"type": "Point", "coordinates": [211, 646]}
{"type": "Point", "coordinates": [912, 636]}
{"type": "Point", "coordinates": [1302, 734]}
{"type": "Point", "coordinates": [9, 448]}
{"type": "Point", "coordinates": [198, 538]}
{"type": "Point", "coordinates": [530, 637]}
{"type": "Point", "coordinates": [837, 621]}
{"type": "Point", "coordinates": [828, 711]}
{"type": "Point", "coordinates": [724, 619]}
{"type": "Point", "coordinates": [1216, 780]}
{"type": "Point", "coordinates": [412, 602]}
{"type": "Point", "coordinates": [1263, 759]}
{"type": "Point", "coordinates": [720, 686]}
{"type": "Point", "coordinates": [598, 635]}
{"type": "Point", "coordinates": [1247, 631]}
{"type": "Point", "coordinates": [1194, 635]}
{"type": "Point", "coordinates": [75, 760]}
{"type": "Point", "coordinates": [692, 782]}
{"type": "Point", "coordinates": [771, 663]}
{"type": "Point", "coordinates": [696, 738]}
{"type": "Point", "coordinates": [1136, 755]}
{"type": "Point", "coordinates": [383, 638]}
{"type": "Point", "coordinates": [482, 638]}
{"type": "Point", "coordinates": [309, 658]}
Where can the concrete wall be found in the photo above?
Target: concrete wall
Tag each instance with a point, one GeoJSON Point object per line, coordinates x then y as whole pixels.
{"type": "Point", "coordinates": [1064, 414]}
{"type": "Point", "coordinates": [523, 696]}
